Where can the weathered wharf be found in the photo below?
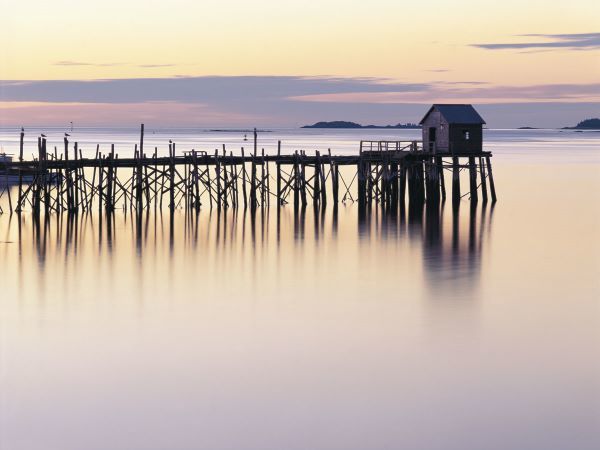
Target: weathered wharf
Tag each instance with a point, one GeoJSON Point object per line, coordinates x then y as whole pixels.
{"type": "Point", "coordinates": [386, 173]}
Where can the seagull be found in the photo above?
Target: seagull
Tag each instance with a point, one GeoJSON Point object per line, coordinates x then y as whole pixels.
{"type": "Point", "coordinates": [22, 130]}
{"type": "Point", "coordinates": [67, 134]}
{"type": "Point", "coordinates": [43, 135]}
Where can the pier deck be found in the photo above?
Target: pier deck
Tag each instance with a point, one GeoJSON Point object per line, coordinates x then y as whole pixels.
{"type": "Point", "coordinates": [382, 172]}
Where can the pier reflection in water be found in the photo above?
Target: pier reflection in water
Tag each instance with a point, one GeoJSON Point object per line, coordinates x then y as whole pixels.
{"type": "Point", "coordinates": [446, 241]}
{"type": "Point", "coordinates": [322, 252]}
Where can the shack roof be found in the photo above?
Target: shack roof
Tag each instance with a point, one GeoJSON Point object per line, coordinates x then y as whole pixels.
{"type": "Point", "coordinates": [462, 114]}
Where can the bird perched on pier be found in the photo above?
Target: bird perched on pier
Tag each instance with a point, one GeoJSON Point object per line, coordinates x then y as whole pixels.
{"type": "Point", "coordinates": [67, 135]}
{"type": "Point", "coordinates": [22, 130]}
{"type": "Point", "coordinates": [43, 135]}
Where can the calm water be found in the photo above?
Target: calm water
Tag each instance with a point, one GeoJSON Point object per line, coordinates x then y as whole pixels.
{"type": "Point", "coordinates": [476, 330]}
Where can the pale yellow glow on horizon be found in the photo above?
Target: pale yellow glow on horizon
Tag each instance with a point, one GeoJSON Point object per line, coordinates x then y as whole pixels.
{"type": "Point", "coordinates": [380, 38]}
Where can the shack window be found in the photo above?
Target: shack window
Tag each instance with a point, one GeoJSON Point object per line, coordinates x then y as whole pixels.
{"type": "Point", "coordinates": [466, 135]}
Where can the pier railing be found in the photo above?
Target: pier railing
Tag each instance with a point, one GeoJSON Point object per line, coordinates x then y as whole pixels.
{"type": "Point", "coordinates": [391, 146]}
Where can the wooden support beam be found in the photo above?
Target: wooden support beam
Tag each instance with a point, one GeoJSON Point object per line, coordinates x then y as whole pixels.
{"type": "Point", "coordinates": [244, 179]}
{"type": "Point", "coordinates": [402, 187]}
{"type": "Point", "coordinates": [455, 181]}
{"type": "Point", "coordinates": [278, 165]}
{"type": "Point", "coordinates": [20, 198]}
{"type": "Point", "coordinates": [172, 178]}
{"type": "Point", "coordinates": [473, 179]}
{"type": "Point", "coordinates": [440, 170]}
{"type": "Point", "coordinates": [484, 193]}
{"type": "Point", "coordinates": [491, 178]}
{"type": "Point", "coordinates": [317, 180]}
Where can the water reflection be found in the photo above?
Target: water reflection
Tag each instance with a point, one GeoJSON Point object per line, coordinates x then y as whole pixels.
{"type": "Point", "coordinates": [451, 239]}
{"type": "Point", "coordinates": [146, 228]}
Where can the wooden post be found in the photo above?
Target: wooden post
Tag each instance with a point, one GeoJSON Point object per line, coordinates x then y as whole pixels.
{"type": "Point", "coordinates": [91, 197]}
{"type": "Point", "coordinates": [302, 179]}
{"type": "Point", "coordinates": [172, 178]}
{"type": "Point", "coordinates": [394, 185]}
{"type": "Point", "coordinates": [296, 174]}
{"type": "Point", "coordinates": [317, 179]}
{"type": "Point", "coordinates": [491, 178]}
{"type": "Point", "coordinates": [440, 170]}
{"type": "Point", "coordinates": [196, 181]}
{"type": "Point", "coordinates": [278, 164]}
{"type": "Point", "coordinates": [455, 181]}
{"type": "Point", "coordinates": [362, 182]}
{"type": "Point", "coordinates": [262, 178]}
{"type": "Point", "coordinates": [473, 179]}
{"type": "Point", "coordinates": [76, 184]}
{"type": "Point", "coordinates": [335, 182]}
{"type": "Point", "coordinates": [109, 181]}
{"type": "Point", "coordinates": [67, 174]}
{"type": "Point", "coordinates": [244, 178]}
{"type": "Point", "coordinates": [253, 200]}
{"type": "Point", "coordinates": [323, 182]}
{"type": "Point", "coordinates": [433, 182]}
{"type": "Point", "coordinates": [484, 194]}
{"type": "Point", "coordinates": [20, 200]}
{"type": "Point", "coordinates": [234, 176]}
{"type": "Point", "coordinates": [402, 189]}
{"type": "Point", "coordinates": [138, 171]}
{"type": "Point", "coordinates": [335, 178]}
{"type": "Point", "coordinates": [268, 186]}
{"type": "Point", "coordinates": [218, 176]}
{"type": "Point", "coordinates": [100, 183]}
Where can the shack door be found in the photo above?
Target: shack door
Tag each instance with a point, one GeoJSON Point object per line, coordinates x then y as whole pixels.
{"type": "Point", "coordinates": [432, 131]}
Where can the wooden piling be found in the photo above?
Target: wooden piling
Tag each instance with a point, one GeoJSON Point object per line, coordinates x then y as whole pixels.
{"type": "Point", "coordinates": [455, 181]}
{"type": "Point", "coordinates": [473, 179]}
{"type": "Point", "coordinates": [20, 198]}
{"type": "Point", "coordinates": [278, 164]}
{"type": "Point", "coordinates": [402, 187]}
{"type": "Point", "coordinates": [244, 179]}
{"type": "Point", "coordinates": [482, 176]}
{"type": "Point", "coordinates": [491, 178]}
{"type": "Point", "coordinates": [440, 170]}
{"type": "Point", "coordinates": [172, 178]}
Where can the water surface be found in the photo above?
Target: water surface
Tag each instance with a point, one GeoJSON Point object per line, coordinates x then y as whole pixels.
{"type": "Point", "coordinates": [433, 330]}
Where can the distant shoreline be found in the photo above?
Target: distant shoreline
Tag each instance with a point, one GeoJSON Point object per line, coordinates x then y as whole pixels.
{"type": "Point", "coordinates": [340, 124]}
{"type": "Point", "coordinates": [588, 124]}
{"type": "Point", "coordinates": [237, 131]}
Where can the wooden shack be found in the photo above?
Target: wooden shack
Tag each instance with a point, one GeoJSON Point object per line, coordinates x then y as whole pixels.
{"type": "Point", "coordinates": [452, 129]}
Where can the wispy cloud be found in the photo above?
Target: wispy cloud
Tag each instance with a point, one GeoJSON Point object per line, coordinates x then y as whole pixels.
{"type": "Point", "coordinates": [79, 63]}
{"type": "Point", "coordinates": [579, 41]}
{"type": "Point", "coordinates": [153, 66]}
{"type": "Point", "coordinates": [218, 89]}
{"type": "Point", "coordinates": [467, 93]}
{"type": "Point", "coordinates": [88, 64]}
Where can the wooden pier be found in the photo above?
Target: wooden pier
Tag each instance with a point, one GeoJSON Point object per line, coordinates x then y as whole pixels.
{"type": "Point", "coordinates": [384, 173]}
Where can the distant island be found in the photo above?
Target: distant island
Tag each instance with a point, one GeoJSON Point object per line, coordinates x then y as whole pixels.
{"type": "Point", "coordinates": [343, 124]}
{"type": "Point", "coordinates": [216, 130]}
{"type": "Point", "coordinates": [587, 124]}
